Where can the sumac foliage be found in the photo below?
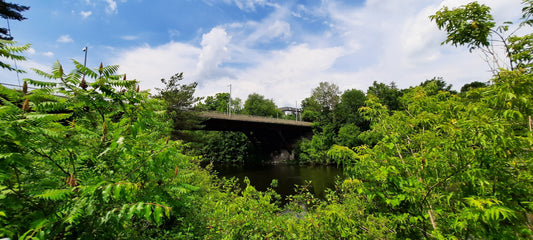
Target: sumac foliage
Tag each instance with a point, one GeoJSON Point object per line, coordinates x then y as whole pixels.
{"type": "Point", "coordinates": [87, 155]}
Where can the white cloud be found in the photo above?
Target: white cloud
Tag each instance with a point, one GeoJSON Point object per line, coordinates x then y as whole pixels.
{"type": "Point", "coordinates": [214, 52]}
{"type": "Point", "coordinates": [287, 75]}
{"type": "Point", "coordinates": [172, 33]}
{"type": "Point", "coordinates": [383, 40]}
{"type": "Point", "coordinates": [31, 51]}
{"type": "Point", "coordinates": [249, 5]}
{"type": "Point", "coordinates": [267, 31]}
{"type": "Point", "coordinates": [65, 39]}
{"type": "Point", "coordinates": [48, 54]}
{"type": "Point", "coordinates": [149, 64]}
{"type": "Point", "coordinates": [404, 46]}
{"type": "Point", "coordinates": [130, 37]}
{"type": "Point", "coordinates": [85, 14]}
{"type": "Point", "coordinates": [275, 26]}
{"type": "Point", "coordinates": [111, 7]}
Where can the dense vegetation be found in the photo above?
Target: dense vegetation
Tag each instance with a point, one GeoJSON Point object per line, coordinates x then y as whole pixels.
{"type": "Point", "coordinates": [88, 155]}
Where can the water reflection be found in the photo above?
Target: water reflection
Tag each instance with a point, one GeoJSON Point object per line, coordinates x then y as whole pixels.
{"type": "Point", "coordinates": [321, 177]}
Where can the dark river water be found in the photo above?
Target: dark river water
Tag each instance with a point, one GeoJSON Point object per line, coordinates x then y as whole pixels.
{"type": "Point", "coordinates": [321, 177]}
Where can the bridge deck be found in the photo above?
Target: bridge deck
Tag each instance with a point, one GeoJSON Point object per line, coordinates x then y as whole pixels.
{"type": "Point", "coordinates": [256, 119]}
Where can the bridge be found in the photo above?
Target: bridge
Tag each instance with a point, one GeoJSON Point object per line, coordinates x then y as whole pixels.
{"type": "Point", "coordinates": [275, 137]}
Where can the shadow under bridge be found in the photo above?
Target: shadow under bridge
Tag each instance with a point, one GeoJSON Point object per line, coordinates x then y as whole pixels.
{"type": "Point", "coordinates": [275, 137]}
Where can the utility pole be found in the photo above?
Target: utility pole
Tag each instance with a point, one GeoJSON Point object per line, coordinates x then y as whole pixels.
{"type": "Point", "coordinates": [296, 111]}
{"type": "Point", "coordinates": [229, 101]}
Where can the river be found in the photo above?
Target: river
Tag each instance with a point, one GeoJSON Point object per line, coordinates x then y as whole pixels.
{"type": "Point", "coordinates": [321, 177]}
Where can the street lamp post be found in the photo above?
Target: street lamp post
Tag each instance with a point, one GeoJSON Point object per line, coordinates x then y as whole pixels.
{"type": "Point", "coordinates": [85, 61]}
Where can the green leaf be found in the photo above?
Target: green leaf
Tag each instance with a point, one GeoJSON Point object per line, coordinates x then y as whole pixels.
{"type": "Point", "coordinates": [55, 194]}
{"type": "Point", "coordinates": [147, 211]}
{"type": "Point", "coordinates": [158, 215]}
{"type": "Point", "coordinates": [107, 192]}
{"type": "Point", "coordinates": [48, 117]}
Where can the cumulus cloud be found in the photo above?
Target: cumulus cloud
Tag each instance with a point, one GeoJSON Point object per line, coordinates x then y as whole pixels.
{"type": "Point", "coordinates": [288, 75]}
{"type": "Point", "coordinates": [214, 52]}
{"type": "Point", "coordinates": [149, 64]}
{"type": "Point", "coordinates": [85, 14]}
{"type": "Point", "coordinates": [382, 40]}
{"type": "Point", "coordinates": [65, 39]}
{"type": "Point", "coordinates": [404, 46]}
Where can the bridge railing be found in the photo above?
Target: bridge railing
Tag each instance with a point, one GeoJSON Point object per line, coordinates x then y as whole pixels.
{"type": "Point", "coordinates": [250, 118]}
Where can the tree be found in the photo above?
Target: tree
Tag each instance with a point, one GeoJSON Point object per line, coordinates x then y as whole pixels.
{"type": "Point", "coordinates": [257, 105]}
{"type": "Point", "coordinates": [347, 111]}
{"type": "Point", "coordinates": [10, 11]}
{"type": "Point", "coordinates": [89, 160]}
{"type": "Point", "coordinates": [472, 25]}
{"type": "Point", "coordinates": [448, 167]}
{"type": "Point", "coordinates": [219, 103]}
{"type": "Point", "coordinates": [473, 85]}
{"type": "Point", "coordinates": [438, 84]}
{"type": "Point", "coordinates": [326, 95]}
{"type": "Point", "coordinates": [310, 110]}
{"type": "Point", "coordinates": [180, 100]}
{"type": "Point", "coordinates": [349, 136]}
{"type": "Point", "coordinates": [388, 95]}
{"type": "Point", "coordinates": [7, 48]}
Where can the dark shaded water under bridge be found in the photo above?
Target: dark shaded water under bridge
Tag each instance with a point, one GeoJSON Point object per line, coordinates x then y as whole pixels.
{"type": "Point", "coordinates": [261, 176]}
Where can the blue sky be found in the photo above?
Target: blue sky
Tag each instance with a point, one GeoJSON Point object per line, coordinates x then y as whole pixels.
{"type": "Point", "coordinates": [280, 49]}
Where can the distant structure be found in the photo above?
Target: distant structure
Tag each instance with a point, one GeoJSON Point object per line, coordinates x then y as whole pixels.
{"type": "Point", "coordinates": [291, 110]}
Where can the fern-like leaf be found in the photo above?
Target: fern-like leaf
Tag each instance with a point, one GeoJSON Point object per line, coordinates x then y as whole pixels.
{"type": "Point", "coordinates": [108, 71]}
{"type": "Point", "coordinates": [123, 83]}
{"type": "Point", "coordinates": [55, 194]}
{"type": "Point", "coordinates": [85, 70]}
{"type": "Point", "coordinates": [41, 84]}
{"type": "Point", "coordinates": [48, 117]}
{"type": "Point", "coordinates": [50, 106]}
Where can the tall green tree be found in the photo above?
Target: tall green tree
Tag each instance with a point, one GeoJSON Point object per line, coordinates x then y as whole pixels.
{"type": "Point", "coordinates": [326, 95]}
{"type": "Point", "coordinates": [258, 105]}
{"type": "Point", "coordinates": [347, 111]}
{"type": "Point", "coordinates": [388, 95]}
{"type": "Point", "coordinates": [180, 100]}
{"type": "Point", "coordinates": [310, 109]}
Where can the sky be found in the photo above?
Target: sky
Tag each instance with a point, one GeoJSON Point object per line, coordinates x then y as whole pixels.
{"type": "Point", "coordinates": [279, 49]}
